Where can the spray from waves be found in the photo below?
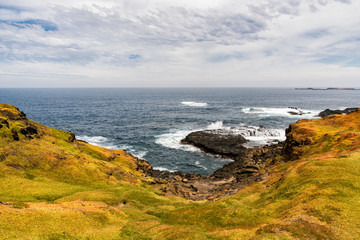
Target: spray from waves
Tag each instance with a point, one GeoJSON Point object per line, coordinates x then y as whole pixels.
{"type": "Point", "coordinates": [106, 143]}
{"type": "Point", "coordinates": [215, 125]}
{"type": "Point", "coordinates": [197, 163]}
{"type": "Point", "coordinates": [163, 169]}
{"type": "Point", "coordinates": [194, 104]}
{"type": "Point", "coordinates": [172, 140]}
{"type": "Point", "coordinates": [98, 141]}
{"type": "Point", "coordinates": [133, 151]}
{"type": "Point", "coordinates": [288, 112]}
{"type": "Point", "coordinates": [257, 136]}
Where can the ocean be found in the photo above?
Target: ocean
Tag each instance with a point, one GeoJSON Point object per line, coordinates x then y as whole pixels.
{"type": "Point", "coordinates": [149, 123]}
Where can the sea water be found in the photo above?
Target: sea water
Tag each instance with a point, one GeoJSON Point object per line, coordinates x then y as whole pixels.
{"type": "Point", "coordinates": [149, 123]}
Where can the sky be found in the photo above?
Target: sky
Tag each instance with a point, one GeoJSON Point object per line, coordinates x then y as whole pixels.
{"type": "Point", "coordinates": [183, 43]}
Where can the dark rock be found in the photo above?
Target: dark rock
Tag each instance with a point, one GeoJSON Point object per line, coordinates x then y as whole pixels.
{"type": "Point", "coordinates": [4, 122]}
{"type": "Point", "coordinates": [15, 135]}
{"type": "Point", "coordinates": [217, 142]}
{"type": "Point", "coordinates": [30, 130]}
{"type": "Point", "coordinates": [11, 115]}
{"type": "Point", "coordinates": [328, 112]}
{"type": "Point", "coordinates": [72, 137]}
{"type": "Point", "coordinates": [290, 150]}
{"type": "Point", "coordinates": [296, 111]}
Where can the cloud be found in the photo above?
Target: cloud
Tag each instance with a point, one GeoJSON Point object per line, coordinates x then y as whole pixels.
{"type": "Point", "coordinates": [160, 39]}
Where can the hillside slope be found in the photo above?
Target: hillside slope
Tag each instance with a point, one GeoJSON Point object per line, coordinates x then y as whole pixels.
{"type": "Point", "coordinates": [53, 186]}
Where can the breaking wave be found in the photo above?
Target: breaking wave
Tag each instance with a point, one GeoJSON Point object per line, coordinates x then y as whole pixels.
{"type": "Point", "coordinates": [257, 136]}
{"type": "Point", "coordinates": [288, 112]}
{"type": "Point", "coordinates": [98, 141]}
{"type": "Point", "coordinates": [194, 104]}
{"type": "Point", "coordinates": [163, 169]}
{"type": "Point", "coordinates": [106, 143]}
{"type": "Point", "coordinates": [172, 140]}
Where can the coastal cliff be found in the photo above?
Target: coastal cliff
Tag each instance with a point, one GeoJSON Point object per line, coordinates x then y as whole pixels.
{"type": "Point", "coordinates": [53, 186]}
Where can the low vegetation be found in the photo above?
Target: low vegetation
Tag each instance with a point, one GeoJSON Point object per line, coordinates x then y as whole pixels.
{"type": "Point", "coordinates": [53, 186]}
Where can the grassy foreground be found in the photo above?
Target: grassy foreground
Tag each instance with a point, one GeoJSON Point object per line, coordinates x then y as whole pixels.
{"type": "Point", "coordinates": [55, 187]}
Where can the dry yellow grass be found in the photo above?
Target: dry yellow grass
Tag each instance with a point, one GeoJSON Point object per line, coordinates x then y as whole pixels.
{"type": "Point", "coordinates": [52, 188]}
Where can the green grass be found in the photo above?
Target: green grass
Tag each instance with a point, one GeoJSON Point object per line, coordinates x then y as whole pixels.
{"type": "Point", "coordinates": [53, 189]}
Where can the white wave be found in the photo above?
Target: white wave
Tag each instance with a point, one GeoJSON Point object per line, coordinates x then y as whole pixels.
{"type": "Point", "coordinates": [106, 143]}
{"type": "Point", "coordinates": [194, 104]}
{"type": "Point", "coordinates": [250, 132]}
{"type": "Point", "coordinates": [257, 136]}
{"type": "Point", "coordinates": [197, 163]}
{"type": "Point", "coordinates": [288, 112]}
{"type": "Point", "coordinates": [163, 169]}
{"type": "Point", "coordinates": [172, 140]}
{"type": "Point", "coordinates": [133, 151]}
{"type": "Point", "coordinates": [215, 125]}
{"type": "Point", "coordinates": [98, 141]}
{"type": "Point", "coordinates": [140, 154]}
{"type": "Point", "coordinates": [260, 136]}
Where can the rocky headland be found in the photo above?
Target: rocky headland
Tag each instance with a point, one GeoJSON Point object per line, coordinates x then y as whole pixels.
{"type": "Point", "coordinates": [328, 112]}
{"type": "Point", "coordinates": [249, 164]}
{"type": "Point", "coordinates": [53, 186]}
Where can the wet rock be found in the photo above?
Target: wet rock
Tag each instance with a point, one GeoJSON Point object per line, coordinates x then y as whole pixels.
{"type": "Point", "coordinates": [295, 111]}
{"type": "Point", "coordinates": [217, 142]}
{"type": "Point", "coordinates": [328, 112]}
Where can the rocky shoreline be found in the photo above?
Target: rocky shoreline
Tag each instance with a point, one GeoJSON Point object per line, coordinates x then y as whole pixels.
{"type": "Point", "coordinates": [249, 165]}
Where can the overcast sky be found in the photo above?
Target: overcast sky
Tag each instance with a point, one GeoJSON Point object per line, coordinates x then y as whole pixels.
{"type": "Point", "coordinates": [183, 43]}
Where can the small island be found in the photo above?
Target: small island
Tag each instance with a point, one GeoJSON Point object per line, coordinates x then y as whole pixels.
{"type": "Point", "coordinates": [326, 89]}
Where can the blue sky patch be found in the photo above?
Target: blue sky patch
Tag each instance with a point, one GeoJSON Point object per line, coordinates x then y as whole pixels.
{"type": "Point", "coordinates": [316, 33]}
{"type": "Point", "coordinates": [225, 57]}
{"type": "Point", "coordinates": [11, 8]}
{"type": "Point", "coordinates": [344, 61]}
{"type": "Point", "coordinates": [134, 56]}
{"type": "Point", "coordinates": [45, 25]}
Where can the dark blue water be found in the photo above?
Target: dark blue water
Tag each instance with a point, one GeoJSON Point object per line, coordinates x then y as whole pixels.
{"type": "Point", "coordinates": [150, 122]}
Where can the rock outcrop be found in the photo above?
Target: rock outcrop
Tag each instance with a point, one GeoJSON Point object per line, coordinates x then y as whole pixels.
{"type": "Point", "coordinates": [296, 111]}
{"type": "Point", "coordinates": [328, 112]}
{"type": "Point", "coordinates": [217, 142]}
{"type": "Point", "coordinates": [249, 165]}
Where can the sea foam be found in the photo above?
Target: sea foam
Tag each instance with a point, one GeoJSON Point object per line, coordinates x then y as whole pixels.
{"type": "Point", "coordinates": [98, 141]}
{"type": "Point", "coordinates": [172, 140]}
{"type": "Point", "coordinates": [257, 136]}
{"type": "Point", "coordinates": [288, 112]}
{"type": "Point", "coordinates": [163, 169]}
{"type": "Point", "coordinates": [107, 143]}
{"type": "Point", "coordinates": [194, 104]}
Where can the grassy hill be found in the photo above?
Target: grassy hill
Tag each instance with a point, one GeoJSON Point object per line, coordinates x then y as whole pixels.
{"type": "Point", "coordinates": [53, 186]}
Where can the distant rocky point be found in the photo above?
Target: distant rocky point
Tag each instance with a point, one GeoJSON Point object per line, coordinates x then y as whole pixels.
{"type": "Point", "coordinates": [325, 89]}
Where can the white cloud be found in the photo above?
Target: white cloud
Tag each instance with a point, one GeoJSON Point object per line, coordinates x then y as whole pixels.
{"type": "Point", "coordinates": [179, 43]}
